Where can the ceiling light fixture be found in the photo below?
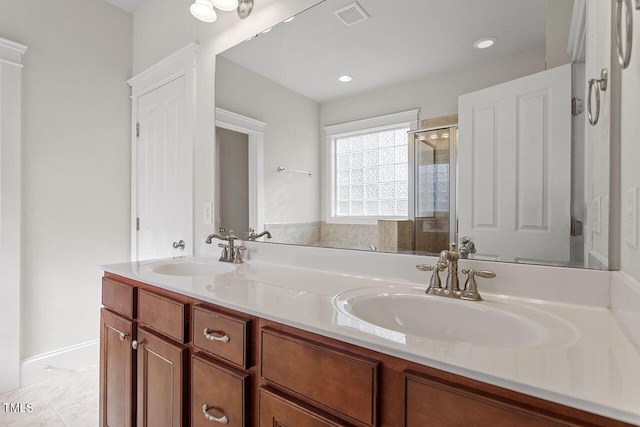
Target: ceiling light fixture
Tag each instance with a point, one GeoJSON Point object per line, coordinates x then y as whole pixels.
{"type": "Point", "coordinates": [226, 5]}
{"type": "Point", "coordinates": [244, 8]}
{"type": "Point", "coordinates": [485, 43]}
{"type": "Point", "coordinates": [203, 10]}
{"type": "Point", "coordinates": [345, 78]}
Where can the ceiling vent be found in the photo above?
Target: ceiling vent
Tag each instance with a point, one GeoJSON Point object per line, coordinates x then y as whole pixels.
{"type": "Point", "coordinates": [351, 14]}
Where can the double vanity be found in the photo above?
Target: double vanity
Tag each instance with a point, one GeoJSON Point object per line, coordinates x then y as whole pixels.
{"type": "Point", "coordinates": [195, 341]}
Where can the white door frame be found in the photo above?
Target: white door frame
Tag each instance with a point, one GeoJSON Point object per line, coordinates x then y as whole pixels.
{"type": "Point", "coordinates": [255, 130]}
{"type": "Point", "coordinates": [180, 63]}
{"type": "Point", "coordinates": [11, 54]}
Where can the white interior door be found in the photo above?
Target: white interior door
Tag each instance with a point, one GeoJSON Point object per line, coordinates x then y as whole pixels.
{"type": "Point", "coordinates": [514, 157]}
{"type": "Point", "coordinates": [165, 173]}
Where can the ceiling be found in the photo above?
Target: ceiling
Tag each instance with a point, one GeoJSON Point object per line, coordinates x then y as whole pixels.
{"type": "Point", "coordinates": [128, 5]}
{"type": "Point", "coordinates": [402, 40]}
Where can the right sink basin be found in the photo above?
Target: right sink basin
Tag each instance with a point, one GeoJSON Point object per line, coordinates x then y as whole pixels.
{"type": "Point", "coordinates": [494, 322]}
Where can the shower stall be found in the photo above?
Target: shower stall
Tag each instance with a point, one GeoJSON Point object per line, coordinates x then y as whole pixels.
{"type": "Point", "coordinates": [435, 188]}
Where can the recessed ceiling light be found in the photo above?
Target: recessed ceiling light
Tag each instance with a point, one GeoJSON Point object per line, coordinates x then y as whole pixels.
{"type": "Point", "coordinates": [345, 78]}
{"type": "Point", "coordinates": [434, 136]}
{"type": "Point", "coordinates": [485, 43]}
{"type": "Point", "coordinates": [290, 19]}
{"type": "Point", "coordinates": [267, 30]}
{"type": "Point", "coordinates": [444, 135]}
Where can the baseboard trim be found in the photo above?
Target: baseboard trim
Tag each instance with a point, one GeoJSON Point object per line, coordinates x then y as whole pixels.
{"type": "Point", "coordinates": [47, 365]}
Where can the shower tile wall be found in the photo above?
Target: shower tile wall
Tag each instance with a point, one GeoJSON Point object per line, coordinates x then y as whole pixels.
{"type": "Point", "coordinates": [297, 233]}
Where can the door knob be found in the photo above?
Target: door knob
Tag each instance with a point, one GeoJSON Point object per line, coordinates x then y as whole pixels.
{"type": "Point", "coordinates": [179, 245]}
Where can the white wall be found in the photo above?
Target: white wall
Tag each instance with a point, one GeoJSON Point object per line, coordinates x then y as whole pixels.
{"type": "Point", "coordinates": [291, 139]}
{"type": "Point", "coordinates": [597, 137]}
{"type": "Point", "coordinates": [559, 14]}
{"type": "Point", "coordinates": [162, 27]}
{"type": "Point", "coordinates": [630, 256]}
{"type": "Point", "coordinates": [75, 138]}
{"type": "Point", "coordinates": [436, 95]}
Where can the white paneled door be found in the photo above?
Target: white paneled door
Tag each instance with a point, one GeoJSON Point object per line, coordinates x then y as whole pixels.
{"type": "Point", "coordinates": [515, 168]}
{"type": "Point", "coordinates": [164, 173]}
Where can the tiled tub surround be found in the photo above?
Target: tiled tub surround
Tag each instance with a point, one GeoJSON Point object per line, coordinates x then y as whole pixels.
{"type": "Point", "coordinates": [597, 369]}
{"type": "Point", "coordinates": [297, 233]}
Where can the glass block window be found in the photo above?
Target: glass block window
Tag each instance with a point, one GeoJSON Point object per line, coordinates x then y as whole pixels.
{"type": "Point", "coordinates": [372, 173]}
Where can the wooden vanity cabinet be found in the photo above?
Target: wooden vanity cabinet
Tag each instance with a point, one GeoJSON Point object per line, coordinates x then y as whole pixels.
{"type": "Point", "coordinates": [117, 370]}
{"type": "Point", "coordinates": [162, 382]}
{"type": "Point", "coordinates": [197, 363]}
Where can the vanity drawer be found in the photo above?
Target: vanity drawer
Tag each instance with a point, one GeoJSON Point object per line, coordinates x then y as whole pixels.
{"type": "Point", "coordinates": [218, 392]}
{"type": "Point", "coordinates": [279, 411]}
{"type": "Point", "coordinates": [433, 401]}
{"type": "Point", "coordinates": [222, 335]}
{"type": "Point", "coordinates": [119, 297]}
{"type": "Point", "coordinates": [165, 315]}
{"type": "Point", "coordinates": [341, 383]}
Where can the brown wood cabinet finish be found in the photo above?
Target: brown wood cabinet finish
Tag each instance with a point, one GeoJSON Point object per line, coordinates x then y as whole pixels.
{"type": "Point", "coordinates": [222, 389]}
{"type": "Point", "coordinates": [119, 297]}
{"type": "Point", "coordinates": [432, 402]}
{"type": "Point", "coordinates": [162, 382]}
{"type": "Point", "coordinates": [334, 379]}
{"type": "Point", "coordinates": [117, 370]}
{"type": "Point", "coordinates": [278, 410]}
{"type": "Point", "coordinates": [289, 377]}
{"type": "Point", "coordinates": [214, 323]}
{"type": "Point", "coordinates": [164, 315]}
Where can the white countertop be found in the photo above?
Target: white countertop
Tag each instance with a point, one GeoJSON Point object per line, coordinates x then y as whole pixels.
{"type": "Point", "coordinates": [592, 365]}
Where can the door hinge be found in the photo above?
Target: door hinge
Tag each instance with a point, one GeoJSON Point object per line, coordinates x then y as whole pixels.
{"type": "Point", "coordinates": [137, 130]}
{"type": "Point", "coordinates": [576, 227]}
{"type": "Point", "coordinates": [577, 106]}
{"type": "Point", "coordinates": [138, 224]}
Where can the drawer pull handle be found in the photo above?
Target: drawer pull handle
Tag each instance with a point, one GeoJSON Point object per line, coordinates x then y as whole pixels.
{"type": "Point", "coordinates": [222, 420]}
{"type": "Point", "coordinates": [135, 344]}
{"type": "Point", "coordinates": [208, 334]}
{"type": "Point", "coordinates": [122, 336]}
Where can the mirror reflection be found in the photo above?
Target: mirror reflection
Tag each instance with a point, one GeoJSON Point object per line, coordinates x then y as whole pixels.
{"type": "Point", "coordinates": [403, 126]}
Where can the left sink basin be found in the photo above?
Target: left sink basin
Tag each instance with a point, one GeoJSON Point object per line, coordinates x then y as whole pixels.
{"type": "Point", "coordinates": [190, 267]}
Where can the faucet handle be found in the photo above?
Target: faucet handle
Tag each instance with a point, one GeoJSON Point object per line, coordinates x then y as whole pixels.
{"type": "Point", "coordinates": [237, 255]}
{"type": "Point", "coordinates": [224, 256]}
{"type": "Point", "coordinates": [435, 285]}
{"type": "Point", "coordinates": [471, 287]}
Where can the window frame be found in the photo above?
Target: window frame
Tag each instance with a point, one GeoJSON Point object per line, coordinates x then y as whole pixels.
{"type": "Point", "coordinates": [374, 124]}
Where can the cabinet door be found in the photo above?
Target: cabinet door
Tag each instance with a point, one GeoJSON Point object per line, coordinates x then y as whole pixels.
{"type": "Point", "coordinates": [276, 410]}
{"type": "Point", "coordinates": [117, 385]}
{"type": "Point", "coordinates": [162, 381]}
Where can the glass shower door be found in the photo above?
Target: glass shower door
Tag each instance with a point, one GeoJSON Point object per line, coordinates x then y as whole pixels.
{"type": "Point", "coordinates": [435, 189]}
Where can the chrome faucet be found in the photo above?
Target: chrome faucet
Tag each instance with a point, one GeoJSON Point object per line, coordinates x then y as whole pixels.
{"type": "Point", "coordinates": [449, 260]}
{"type": "Point", "coordinates": [466, 247]}
{"type": "Point", "coordinates": [230, 252]}
{"type": "Point", "coordinates": [253, 236]}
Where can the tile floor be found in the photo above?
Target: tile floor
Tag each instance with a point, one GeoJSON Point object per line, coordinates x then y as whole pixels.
{"type": "Point", "coordinates": [67, 400]}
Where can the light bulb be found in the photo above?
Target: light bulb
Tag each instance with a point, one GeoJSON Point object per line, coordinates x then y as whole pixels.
{"type": "Point", "coordinates": [226, 5]}
{"type": "Point", "coordinates": [203, 10]}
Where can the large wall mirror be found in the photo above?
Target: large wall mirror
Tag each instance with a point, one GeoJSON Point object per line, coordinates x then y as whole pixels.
{"type": "Point", "coordinates": [401, 126]}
